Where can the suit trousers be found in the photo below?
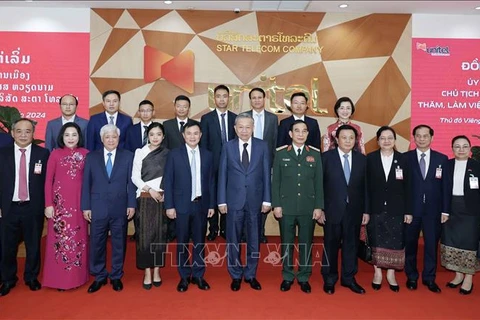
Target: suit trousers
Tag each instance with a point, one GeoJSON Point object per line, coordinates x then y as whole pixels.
{"type": "Point", "coordinates": [431, 228]}
{"type": "Point", "coordinates": [22, 219]}
{"type": "Point", "coordinates": [236, 220]}
{"type": "Point", "coordinates": [345, 235]}
{"type": "Point", "coordinates": [98, 246]}
{"type": "Point", "coordinates": [192, 224]}
{"type": "Point", "coordinates": [288, 226]}
{"type": "Point", "coordinates": [214, 225]}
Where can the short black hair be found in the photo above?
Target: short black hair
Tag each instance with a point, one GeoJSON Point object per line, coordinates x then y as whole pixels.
{"type": "Point", "coordinates": [146, 102]}
{"type": "Point", "coordinates": [297, 122]}
{"type": "Point", "coordinates": [106, 93]}
{"type": "Point", "coordinates": [221, 87]}
{"type": "Point", "coordinates": [346, 127]}
{"type": "Point", "coordinates": [68, 95]}
{"type": "Point", "coordinates": [256, 89]}
{"type": "Point", "coordinates": [191, 123]}
{"type": "Point", "coordinates": [339, 102]}
{"type": "Point", "coordinates": [67, 125]}
{"type": "Point", "coordinates": [155, 125]}
{"type": "Point", "coordinates": [430, 130]}
{"type": "Point", "coordinates": [385, 128]}
{"type": "Point", "coordinates": [460, 137]}
{"type": "Point", "coordinates": [182, 98]}
{"type": "Point", "coordinates": [299, 94]}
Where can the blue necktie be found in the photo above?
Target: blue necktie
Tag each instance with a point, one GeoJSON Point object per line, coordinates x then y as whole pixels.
{"type": "Point", "coordinates": [423, 165]}
{"type": "Point", "coordinates": [109, 165]}
{"type": "Point", "coordinates": [346, 168]}
{"type": "Point", "coordinates": [224, 128]}
{"type": "Point", "coordinates": [193, 168]}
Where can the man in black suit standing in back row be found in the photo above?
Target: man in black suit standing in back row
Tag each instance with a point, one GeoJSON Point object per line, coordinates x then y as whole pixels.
{"type": "Point", "coordinates": [217, 129]}
{"type": "Point", "coordinates": [22, 203]}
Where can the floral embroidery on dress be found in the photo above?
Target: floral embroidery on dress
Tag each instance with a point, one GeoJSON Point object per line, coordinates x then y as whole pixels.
{"type": "Point", "coordinates": [75, 161]}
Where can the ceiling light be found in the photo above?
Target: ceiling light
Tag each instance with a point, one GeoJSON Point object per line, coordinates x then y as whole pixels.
{"type": "Point", "coordinates": [477, 8]}
{"type": "Point", "coordinates": [343, 5]}
{"type": "Point", "coordinates": [167, 2]}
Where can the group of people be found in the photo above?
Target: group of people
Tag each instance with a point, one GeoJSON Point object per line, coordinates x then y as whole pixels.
{"type": "Point", "coordinates": [228, 172]}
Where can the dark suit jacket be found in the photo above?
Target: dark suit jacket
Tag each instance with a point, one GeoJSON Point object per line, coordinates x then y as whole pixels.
{"type": "Point", "coordinates": [177, 181]}
{"type": "Point", "coordinates": [108, 197]}
{"type": "Point", "coordinates": [212, 136]}
{"type": "Point", "coordinates": [36, 182]}
{"type": "Point", "coordinates": [97, 121]}
{"type": "Point", "coordinates": [236, 185]}
{"type": "Point", "coordinates": [314, 136]}
{"type": "Point", "coordinates": [53, 129]}
{"type": "Point", "coordinates": [5, 139]}
{"type": "Point", "coordinates": [173, 137]}
{"type": "Point", "coordinates": [471, 196]}
{"type": "Point", "coordinates": [395, 192]}
{"type": "Point", "coordinates": [270, 133]}
{"type": "Point", "coordinates": [437, 191]}
{"type": "Point", "coordinates": [337, 191]}
{"type": "Point", "coordinates": [134, 137]}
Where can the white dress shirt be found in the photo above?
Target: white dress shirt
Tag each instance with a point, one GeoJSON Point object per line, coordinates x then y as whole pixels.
{"type": "Point", "coordinates": [115, 116]}
{"type": "Point", "coordinates": [249, 148]}
{"type": "Point", "coordinates": [142, 126]}
{"type": "Point", "coordinates": [295, 148]}
{"type": "Point", "coordinates": [256, 119]}
{"type": "Point", "coordinates": [459, 177]}
{"type": "Point", "coordinates": [18, 155]}
{"type": "Point", "coordinates": [427, 159]}
{"type": "Point", "coordinates": [387, 164]}
{"type": "Point", "coordinates": [140, 154]}
{"type": "Point", "coordinates": [72, 119]}
{"type": "Point", "coordinates": [184, 122]}
{"type": "Point", "coordinates": [219, 115]}
{"type": "Point", "coordinates": [295, 118]}
{"type": "Point", "coordinates": [198, 184]}
{"type": "Point", "coordinates": [341, 153]}
{"type": "Point", "coordinates": [105, 156]}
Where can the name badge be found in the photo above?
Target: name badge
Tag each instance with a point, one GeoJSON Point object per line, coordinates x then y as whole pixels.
{"type": "Point", "coordinates": [438, 173]}
{"type": "Point", "coordinates": [399, 173]}
{"type": "Point", "coordinates": [473, 182]}
{"type": "Point", "coordinates": [38, 168]}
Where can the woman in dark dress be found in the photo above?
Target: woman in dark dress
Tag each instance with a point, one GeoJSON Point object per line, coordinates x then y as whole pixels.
{"type": "Point", "coordinates": [461, 232]}
{"type": "Point", "coordinates": [150, 221]}
{"type": "Point", "coordinates": [388, 204]}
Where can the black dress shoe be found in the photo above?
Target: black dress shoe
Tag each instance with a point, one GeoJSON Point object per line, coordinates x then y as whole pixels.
{"type": "Point", "coordinates": [183, 285]}
{"type": "Point", "coordinates": [453, 285]}
{"type": "Point", "coordinates": [34, 285]}
{"type": "Point", "coordinates": [394, 287]}
{"type": "Point", "coordinates": [96, 285]}
{"type": "Point", "coordinates": [236, 284]}
{"type": "Point", "coordinates": [201, 283]}
{"type": "Point", "coordinates": [354, 287]}
{"type": "Point", "coordinates": [5, 289]}
{"type": "Point", "coordinates": [465, 292]}
{"type": "Point", "coordinates": [147, 286]}
{"type": "Point", "coordinates": [117, 284]}
{"type": "Point", "coordinates": [254, 284]}
{"type": "Point", "coordinates": [412, 284]}
{"type": "Point", "coordinates": [223, 235]}
{"type": "Point", "coordinates": [329, 289]}
{"type": "Point", "coordinates": [432, 286]}
{"type": "Point", "coordinates": [376, 286]}
{"type": "Point", "coordinates": [157, 283]}
{"type": "Point", "coordinates": [285, 285]}
{"type": "Point", "coordinates": [305, 286]}
{"type": "Point", "coordinates": [212, 236]}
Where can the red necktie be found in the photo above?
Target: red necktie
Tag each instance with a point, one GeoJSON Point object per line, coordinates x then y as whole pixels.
{"type": "Point", "coordinates": [22, 177]}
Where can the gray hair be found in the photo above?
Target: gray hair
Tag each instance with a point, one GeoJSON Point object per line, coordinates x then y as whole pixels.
{"type": "Point", "coordinates": [24, 119]}
{"type": "Point", "coordinates": [109, 128]}
{"type": "Point", "coordinates": [243, 115]}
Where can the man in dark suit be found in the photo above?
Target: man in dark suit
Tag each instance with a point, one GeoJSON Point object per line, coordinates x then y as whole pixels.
{"type": "Point", "coordinates": [298, 107]}
{"type": "Point", "coordinates": [111, 104]}
{"type": "Point", "coordinates": [190, 199]}
{"type": "Point", "coordinates": [297, 198]}
{"type": "Point", "coordinates": [217, 129]}
{"type": "Point", "coordinates": [266, 129]}
{"type": "Point", "coordinates": [68, 107]}
{"type": "Point", "coordinates": [22, 202]}
{"type": "Point", "coordinates": [5, 139]}
{"type": "Point", "coordinates": [136, 135]}
{"type": "Point", "coordinates": [345, 207]}
{"type": "Point", "coordinates": [107, 201]}
{"type": "Point", "coordinates": [244, 182]}
{"type": "Point", "coordinates": [174, 139]}
{"type": "Point", "coordinates": [430, 206]}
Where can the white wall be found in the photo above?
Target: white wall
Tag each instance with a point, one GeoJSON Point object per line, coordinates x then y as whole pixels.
{"type": "Point", "coordinates": [445, 26]}
{"type": "Point", "coordinates": [45, 19]}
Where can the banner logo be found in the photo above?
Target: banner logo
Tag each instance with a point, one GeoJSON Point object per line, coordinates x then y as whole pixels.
{"type": "Point", "coordinates": [434, 51]}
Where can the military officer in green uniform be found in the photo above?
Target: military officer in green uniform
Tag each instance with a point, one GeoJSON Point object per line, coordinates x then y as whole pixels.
{"type": "Point", "coordinates": [297, 196]}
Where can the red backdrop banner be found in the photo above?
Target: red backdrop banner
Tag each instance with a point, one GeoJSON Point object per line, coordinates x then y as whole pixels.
{"type": "Point", "coordinates": [37, 68]}
{"type": "Point", "coordinates": [446, 89]}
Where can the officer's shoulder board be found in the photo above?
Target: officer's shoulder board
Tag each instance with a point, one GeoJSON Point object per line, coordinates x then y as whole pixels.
{"type": "Point", "coordinates": [282, 147]}
{"type": "Point", "coordinates": [313, 148]}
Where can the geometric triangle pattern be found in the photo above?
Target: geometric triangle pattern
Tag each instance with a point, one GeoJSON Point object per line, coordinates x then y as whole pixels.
{"type": "Point", "coordinates": [365, 57]}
